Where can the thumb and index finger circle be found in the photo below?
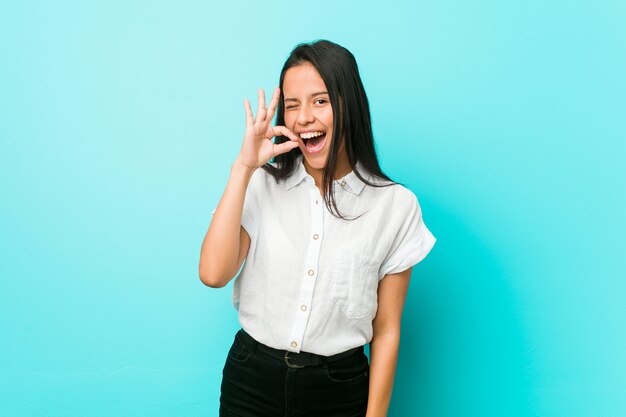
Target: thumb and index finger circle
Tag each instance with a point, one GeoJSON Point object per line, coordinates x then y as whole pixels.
{"type": "Point", "coordinates": [285, 132]}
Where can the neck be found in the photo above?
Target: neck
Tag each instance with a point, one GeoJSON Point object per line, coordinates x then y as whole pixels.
{"type": "Point", "coordinates": [342, 169]}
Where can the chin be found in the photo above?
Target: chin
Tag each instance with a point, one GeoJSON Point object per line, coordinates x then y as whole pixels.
{"type": "Point", "coordinates": [316, 162]}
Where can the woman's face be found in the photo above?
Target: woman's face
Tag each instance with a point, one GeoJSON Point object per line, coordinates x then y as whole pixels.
{"type": "Point", "coordinates": [308, 113]}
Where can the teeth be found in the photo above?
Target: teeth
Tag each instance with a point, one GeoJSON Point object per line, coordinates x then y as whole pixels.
{"type": "Point", "coordinates": [309, 135]}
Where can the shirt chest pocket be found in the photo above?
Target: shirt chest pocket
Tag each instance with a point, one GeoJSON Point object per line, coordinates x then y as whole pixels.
{"type": "Point", "coordinates": [354, 284]}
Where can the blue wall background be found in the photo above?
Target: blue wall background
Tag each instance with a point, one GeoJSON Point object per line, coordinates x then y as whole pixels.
{"type": "Point", "coordinates": [118, 124]}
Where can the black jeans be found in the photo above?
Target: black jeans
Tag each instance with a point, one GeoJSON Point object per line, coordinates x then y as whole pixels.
{"type": "Point", "coordinates": [255, 384]}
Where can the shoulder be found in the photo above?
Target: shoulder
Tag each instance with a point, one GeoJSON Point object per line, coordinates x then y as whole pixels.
{"type": "Point", "coordinates": [396, 195]}
{"type": "Point", "coordinates": [261, 178]}
{"type": "Point", "coordinates": [405, 204]}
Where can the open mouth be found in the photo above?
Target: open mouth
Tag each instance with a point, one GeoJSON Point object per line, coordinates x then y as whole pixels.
{"type": "Point", "coordinates": [313, 142]}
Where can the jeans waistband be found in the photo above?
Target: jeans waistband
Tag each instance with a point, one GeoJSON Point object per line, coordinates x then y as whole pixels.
{"type": "Point", "coordinates": [293, 359]}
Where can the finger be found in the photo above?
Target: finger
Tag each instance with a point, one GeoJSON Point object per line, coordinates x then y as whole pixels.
{"type": "Point", "coordinates": [286, 132]}
{"type": "Point", "coordinates": [273, 104]}
{"type": "Point", "coordinates": [262, 111]}
{"type": "Point", "coordinates": [284, 147]}
{"type": "Point", "coordinates": [249, 117]}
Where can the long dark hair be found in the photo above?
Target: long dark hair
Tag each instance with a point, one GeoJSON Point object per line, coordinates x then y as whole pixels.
{"type": "Point", "coordinates": [338, 69]}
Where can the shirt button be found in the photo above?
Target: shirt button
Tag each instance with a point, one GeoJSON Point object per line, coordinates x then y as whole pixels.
{"type": "Point", "coordinates": [315, 236]}
{"type": "Point", "coordinates": [343, 183]}
{"type": "Point", "coordinates": [303, 307]}
{"type": "Point", "coordinates": [294, 344]}
{"type": "Point", "coordinates": [315, 201]}
{"type": "Point", "coordinates": [311, 272]}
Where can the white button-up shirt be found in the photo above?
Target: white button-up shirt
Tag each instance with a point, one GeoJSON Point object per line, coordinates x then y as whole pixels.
{"type": "Point", "coordinates": [310, 280]}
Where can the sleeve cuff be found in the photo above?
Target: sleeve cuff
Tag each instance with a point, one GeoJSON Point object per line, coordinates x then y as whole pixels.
{"type": "Point", "coordinates": [414, 253]}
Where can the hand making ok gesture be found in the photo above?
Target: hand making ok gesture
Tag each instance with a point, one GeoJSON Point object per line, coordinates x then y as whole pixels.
{"type": "Point", "coordinates": [258, 147]}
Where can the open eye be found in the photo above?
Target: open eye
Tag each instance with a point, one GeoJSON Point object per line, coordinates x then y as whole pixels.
{"type": "Point", "coordinates": [322, 100]}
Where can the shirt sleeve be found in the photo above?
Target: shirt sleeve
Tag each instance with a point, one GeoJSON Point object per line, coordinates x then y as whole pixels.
{"type": "Point", "coordinates": [412, 242]}
{"type": "Point", "coordinates": [248, 218]}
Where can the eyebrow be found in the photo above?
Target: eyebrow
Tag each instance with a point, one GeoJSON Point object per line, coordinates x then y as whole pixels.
{"type": "Point", "coordinates": [312, 95]}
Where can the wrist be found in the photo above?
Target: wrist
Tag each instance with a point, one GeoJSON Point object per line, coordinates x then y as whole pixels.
{"type": "Point", "coordinates": [240, 167]}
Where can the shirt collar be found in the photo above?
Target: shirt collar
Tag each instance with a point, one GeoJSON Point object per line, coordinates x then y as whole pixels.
{"type": "Point", "coordinates": [351, 182]}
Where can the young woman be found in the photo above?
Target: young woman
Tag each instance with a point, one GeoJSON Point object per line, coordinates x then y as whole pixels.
{"type": "Point", "coordinates": [329, 242]}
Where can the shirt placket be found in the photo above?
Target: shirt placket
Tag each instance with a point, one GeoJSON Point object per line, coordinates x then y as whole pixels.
{"type": "Point", "coordinates": [309, 273]}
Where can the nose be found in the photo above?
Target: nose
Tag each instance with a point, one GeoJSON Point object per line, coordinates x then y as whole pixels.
{"type": "Point", "coordinates": [305, 115]}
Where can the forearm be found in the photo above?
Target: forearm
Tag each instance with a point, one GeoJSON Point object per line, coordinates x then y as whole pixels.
{"type": "Point", "coordinates": [220, 248]}
{"type": "Point", "coordinates": [383, 360]}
